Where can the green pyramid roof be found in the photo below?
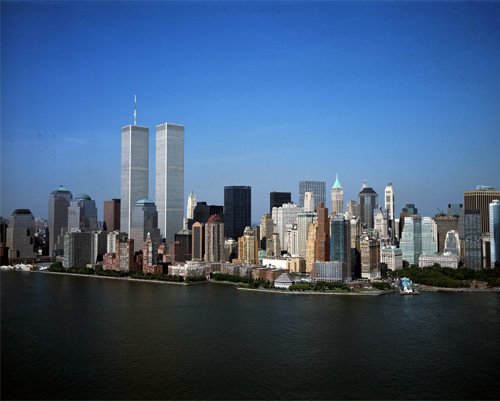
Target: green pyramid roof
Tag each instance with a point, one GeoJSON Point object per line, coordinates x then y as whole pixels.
{"type": "Point", "coordinates": [337, 183]}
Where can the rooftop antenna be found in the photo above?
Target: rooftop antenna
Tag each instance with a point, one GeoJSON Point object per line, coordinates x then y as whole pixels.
{"type": "Point", "coordinates": [135, 110]}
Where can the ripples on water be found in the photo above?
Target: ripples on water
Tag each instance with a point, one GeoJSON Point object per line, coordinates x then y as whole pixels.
{"type": "Point", "coordinates": [67, 337]}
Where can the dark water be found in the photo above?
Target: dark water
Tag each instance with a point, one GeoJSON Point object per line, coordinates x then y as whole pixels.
{"type": "Point", "coordinates": [67, 337]}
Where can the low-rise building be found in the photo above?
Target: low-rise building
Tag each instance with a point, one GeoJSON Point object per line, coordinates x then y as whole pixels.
{"type": "Point", "coordinates": [292, 264]}
{"type": "Point", "coordinates": [266, 274]}
{"type": "Point", "coordinates": [189, 269]}
{"type": "Point", "coordinates": [391, 257]}
{"type": "Point", "coordinates": [283, 281]}
{"type": "Point", "coordinates": [328, 271]}
{"type": "Point", "coordinates": [446, 259]}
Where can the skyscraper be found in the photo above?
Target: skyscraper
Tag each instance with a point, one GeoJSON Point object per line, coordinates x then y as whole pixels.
{"type": "Point", "coordinates": [473, 252]}
{"type": "Point", "coordinates": [237, 210]}
{"type": "Point", "coordinates": [58, 219]}
{"type": "Point", "coordinates": [429, 236]}
{"type": "Point", "coordinates": [340, 249]}
{"type": "Point", "coordinates": [309, 204]}
{"type": "Point", "coordinates": [82, 214]}
{"type": "Point", "coordinates": [169, 178]}
{"type": "Point", "coordinates": [444, 224]}
{"type": "Point", "coordinates": [283, 216]}
{"type": "Point", "coordinates": [21, 234]}
{"type": "Point", "coordinates": [144, 221]}
{"type": "Point", "coordinates": [411, 239]}
{"type": "Point", "coordinates": [480, 199]}
{"type": "Point", "coordinates": [323, 235]}
{"type": "Point", "coordinates": [337, 197]}
{"type": "Point", "coordinates": [495, 232]}
{"type": "Point", "coordinates": [112, 215]}
{"type": "Point", "coordinates": [134, 171]}
{"type": "Point", "coordinates": [214, 239]}
{"type": "Point", "coordinates": [191, 204]}
{"type": "Point", "coordinates": [277, 199]}
{"type": "Point", "coordinates": [389, 201]}
{"type": "Point", "coordinates": [317, 187]}
{"type": "Point", "coordinates": [368, 201]}
{"type": "Point", "coordinates": [304, 220]}
{"type": "Point", "coordinates": [198, 244]}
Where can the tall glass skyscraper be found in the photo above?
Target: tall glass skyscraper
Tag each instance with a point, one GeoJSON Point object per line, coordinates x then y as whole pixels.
{"type": "Point", "coordinates": [368, 202]}
{"type": "Point", "coordinates": [58, 219]}
{"type": "Point", "coordinates": [134, 171]}
{"type": "Point", "coordinates": [340, 248]}
{"type": "Point", "coordinates": [495, 232]}
{"type": "Point", "coordinates": [411, 239]}
{"type": "Point", "coordinates": [82, 214]}
{"type": "Point", "coordinates": [317, 187]}
{"type": "Point", "coordinates": [170, 178]}
{"type": "Point", "coordinates": [237, 210]}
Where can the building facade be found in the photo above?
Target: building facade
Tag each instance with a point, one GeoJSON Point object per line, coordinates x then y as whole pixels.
{"type": "Point", "coordinates": [237, 210]}
{"type": "Point", "coordinates": [480, 200]}
{"type": "Point", "coordinates": [144, 221]}
{"type": "Point", "coordinates": [191, 204]}
{"type": "Point", "coordinates": [283, 216]}
{"type": "Point", "coordinates": [112, 214]}
{"type": "Point", "coordinates": [368, 202]}
{"type": "Point", "coordinates": [278, 199]}
{"type": "Point", "coordinates": [370, 258]}
{"type": "Point", "coordinates": [340, 248]}
{"type": "Point", "coordinates": [391, 258]}
{"type": "Point", "coordinates": [411, 239]}
{"type": "Point", "coordinates": [337, 197]}
{"type": "Point", "coordinates": [58, 219]}
{"type": "Point", "coordinates": [304, 220]}
{"type": "Point", "coordinates": [214, 239]}
{"type": "Point", "coordinates": [495, 233]}
{"type": "Point", "coordinates": [322, 244]}
{"type": "Point", "coordinates": [82, 214]}
{"type": "Point", "coordinates": [316, 187]}
{"type": "Point", "coordinates": [198, 244]}
{"type": "Point", "coordinates": [169, 178]}
{"type": "Point", "coordinates": [21, 234]}
{"type": "Point", "coordinates": [473, 251]}
{"type": "Point", "coordinates": [134, 171]}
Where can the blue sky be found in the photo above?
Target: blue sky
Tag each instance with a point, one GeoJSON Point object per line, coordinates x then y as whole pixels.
{"type": "Point", "coordinates": [269, 94]}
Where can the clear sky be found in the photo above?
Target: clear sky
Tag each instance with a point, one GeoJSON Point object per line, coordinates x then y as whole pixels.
{"type": "Point", "coordinates": [269, 94]}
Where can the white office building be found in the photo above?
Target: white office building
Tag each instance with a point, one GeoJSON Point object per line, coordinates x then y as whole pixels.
{"type": "Point", "coordinates": [283, 216]}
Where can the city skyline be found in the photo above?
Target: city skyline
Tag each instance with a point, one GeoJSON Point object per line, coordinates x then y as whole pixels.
{"type": "Point", "coordinates": [305, 96]}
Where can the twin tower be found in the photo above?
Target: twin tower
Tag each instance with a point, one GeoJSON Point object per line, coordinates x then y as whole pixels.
{"type": "Point", "coordinates": [169, 175]}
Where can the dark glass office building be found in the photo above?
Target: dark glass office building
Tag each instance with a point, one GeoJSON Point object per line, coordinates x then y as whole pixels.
{"type": "Point", "coordinates": [277, 199]}
{"type": "Point", "coordinates": [202, 212]}
{"type": "Point", "coordinates": [237, 210]}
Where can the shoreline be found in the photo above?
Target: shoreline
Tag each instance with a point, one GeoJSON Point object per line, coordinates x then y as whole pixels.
{"type": "Point", "coordinates": [118, 278]}
{"type": "Point", "coordinates": [429, 288]}
{"type": "Point", "coordinates": [286, 292]}
{"type": "Point", "coordinates": [421, 287]}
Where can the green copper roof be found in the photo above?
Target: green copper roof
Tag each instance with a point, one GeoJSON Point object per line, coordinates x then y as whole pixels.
{"type": "Point", "coordinates": [61, 189]}
{"type": "Point", "coordinates": [337, 183]}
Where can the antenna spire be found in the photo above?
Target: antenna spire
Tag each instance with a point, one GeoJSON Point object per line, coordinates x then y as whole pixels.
{"type": "Point", "coordinates": [135, 110]}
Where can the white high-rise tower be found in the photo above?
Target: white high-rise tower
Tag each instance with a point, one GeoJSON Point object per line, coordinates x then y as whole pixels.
{"type": "Point", "coordinates": [134, 170]}
{"type": "Point", "coordinates": [337, 197]}
{"type": "Point", "coordinates": [309, 202]}
{"type": "Point", "coordinates": [191, 204]}
{"type": "Point", "coordinates": [389, 201]}
{"type": "Point", "coordinates": [169, 178]}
